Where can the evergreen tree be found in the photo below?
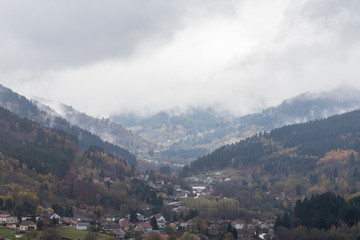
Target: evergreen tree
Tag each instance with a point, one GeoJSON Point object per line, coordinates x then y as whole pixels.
{"type": "Point", "coordinates": [278, 223]}
{"type": "Point", "coordinates": [9, 204]}
{"type": "Point", "coordinates": [133, 216]}
{"type": "Point", "coordinates": [154, 223]}
{"type": "Point", "coordinates": [286, 220]}
{"type": "Point", "coordinates": [234, 232]}
{"type": "Point", "coordinates": [229, 228]}
{"type": "Point", "coordinates": [160, 201]}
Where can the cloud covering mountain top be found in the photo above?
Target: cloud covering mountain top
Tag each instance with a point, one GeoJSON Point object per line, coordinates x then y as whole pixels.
{"type": "Point", "coordinates": [116, 56]}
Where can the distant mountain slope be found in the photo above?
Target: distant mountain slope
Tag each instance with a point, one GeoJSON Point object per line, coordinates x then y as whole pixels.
{"type": "Point", "coordinates": [303, 108]}
{"type": "Point", "coordinates": [26, 109]}
{"type": "Point", "coordinates": [200, 131]}
{"type": "Point", "coordinates": [104, 128]}
{"type": "Point", "coordinates": [293, 148]}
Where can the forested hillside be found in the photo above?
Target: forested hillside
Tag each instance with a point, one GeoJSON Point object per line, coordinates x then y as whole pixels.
{"type": "Point", "coordinates": [46, 151]}
{"type": "Point", "coordinates": [41, 167]}
{"type": "Point", "coordinates": [291, 148]}
{"type": "Point", "coordinates": [26, 109]}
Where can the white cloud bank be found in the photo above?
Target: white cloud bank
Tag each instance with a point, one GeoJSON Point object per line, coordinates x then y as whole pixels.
{"type": "Point", "coordinates": [147, 56]}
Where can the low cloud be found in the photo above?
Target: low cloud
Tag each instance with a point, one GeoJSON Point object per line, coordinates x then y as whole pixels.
{"type": "Point", "coordinates": [147, 56]}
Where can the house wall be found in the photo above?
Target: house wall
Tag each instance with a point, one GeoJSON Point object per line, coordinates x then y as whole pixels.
{"type": "Point", "coordinates": [81, 227]}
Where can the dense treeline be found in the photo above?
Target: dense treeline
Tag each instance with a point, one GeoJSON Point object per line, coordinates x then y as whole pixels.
{"type": "Point", "coordinates": [26, 109]}
{"type": "Point", "coordinates": [324, 210]}
{"type": "Point", "coordinates": [323, 216]}
{"type": "Point", "coordinates": [287, 149]}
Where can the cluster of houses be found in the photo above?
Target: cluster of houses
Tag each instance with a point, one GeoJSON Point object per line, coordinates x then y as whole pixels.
{"type": "Point", "coordinates": [202, 188]}
{"type": "Point", "coordinates": [12, 223]}
{"type": "Point", "coordinates": [246, 229]}
{"type": "Point", "coordinates": [143, 227]}
{"type": "Point", "coordinates": [30, 223]}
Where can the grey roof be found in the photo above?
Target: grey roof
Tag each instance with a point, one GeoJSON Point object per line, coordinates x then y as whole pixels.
{"type": "Point", "coordinates": [83, 223]}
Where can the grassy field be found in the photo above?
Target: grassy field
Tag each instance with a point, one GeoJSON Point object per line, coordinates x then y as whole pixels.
{"type": "Point", "coordinates": [5, 232]}
{"type": "Point", "coordinates": [74, 234]}
{"type": "Point", "coordinates": [70, 233]}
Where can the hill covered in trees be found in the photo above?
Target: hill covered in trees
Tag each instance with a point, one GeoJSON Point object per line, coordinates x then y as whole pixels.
{"type": "Point", "coordinates": [42, 167]}
{"type": "Point", "coordinates": [27, 109]}
{"type": "Point", "coordinates": [294, 148]}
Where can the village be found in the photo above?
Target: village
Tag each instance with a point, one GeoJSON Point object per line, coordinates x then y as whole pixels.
{"type": "Point", "coordinates": [141, 223]}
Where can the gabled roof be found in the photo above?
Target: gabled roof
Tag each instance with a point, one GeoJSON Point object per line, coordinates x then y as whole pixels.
{"type": "Point", "coordinates": [27, 223]}
{"type": "Point", "coordinates": [119, 232]}
{"type": "Point", "coordinates": [83, 224]}
{"type": "Point", "coordinates": [125, 223]}
{"type": "Point", "coordinates": [145, 225]}
{"type": "Point", "coordinates": [110, 226]}
{"type": "Point", "coordinates": [158, 216]}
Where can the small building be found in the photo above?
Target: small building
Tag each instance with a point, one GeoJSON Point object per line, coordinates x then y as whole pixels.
{"type": "Point", "coordinates": [82, 225]}
{"type": "Point", "coordinates": [119, 234]}
{"type": "Point", "coordinates": [55, 216]}
{"type": "Point", "coordinates": [172, 197]}
{"type": "Point", "coordinates": [69, 221]}
{"type": "Point", "coordinates": [184, 225]}
{"type": "Point", "coordinates": [238, 225]}
{"type": "Point", "coordinates": [125, 224]}
{"type": "Point", "coordinates": [194, 179]}
{"type": "Point", "coordinates": [177, 188]}
{"type": "Point", "coordinates": [159, 217]}
{"type": "Point", "coordinates": [141, 217]}
{"type": "Point", "coordinates": [159, 182]}
{"type": "Point", "coordinates": [161, 223]}
{"type": "Point", "coordinates": [27, 225]}
{"type": "Point", "coordinates": [109, 227]}
{"type": "Point", "coordinates": [143, 227]}
{"type": "Point", "coordinates": [198, 187]}
{"type": "Point", "coordinates": [18, 234]}
{"type": "Point", "coordinates": [11, 226]}
{"type": "Point", "coordinates": [183, 195]}
{"type": "Point", "coordinates": [8, 219]}
{"type": "Point", "coordinates": [48, 215]}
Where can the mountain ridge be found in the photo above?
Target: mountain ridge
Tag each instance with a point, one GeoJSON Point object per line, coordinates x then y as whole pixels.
{"type": "Point", "coordinates": [106, 129]}
{"type": "Point", "coordinates": [27, 109]}
{"type": "Point", "coordinates": [204, 130]}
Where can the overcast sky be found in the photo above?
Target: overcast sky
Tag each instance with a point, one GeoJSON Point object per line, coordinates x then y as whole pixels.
{"type": "Point", "coordinates": [105, 57]}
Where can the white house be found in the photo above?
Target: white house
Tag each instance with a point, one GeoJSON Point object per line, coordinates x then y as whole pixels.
{"type": "Point", "coordinates": [82, 225]}
{"type": "Point", "coordinates": [198, 187]}
{"type": "Point", "coordinates": [238, 224]}
{"type": "Point", "coordinates": [7, 218]}
{"type": "Point", "coordinates": [55, 216]}
{"type": "Point", "coordinates": [27, 225]}
{"type": "Point", "coordinates": [159, 217]}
